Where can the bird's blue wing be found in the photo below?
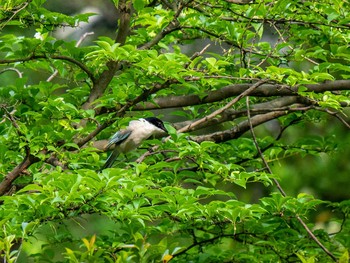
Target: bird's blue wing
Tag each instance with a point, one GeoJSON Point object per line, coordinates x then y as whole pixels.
{"type": "Point", "coordinates": [111, 158]}
{"type": "Point", "coordinates": [118, 137]}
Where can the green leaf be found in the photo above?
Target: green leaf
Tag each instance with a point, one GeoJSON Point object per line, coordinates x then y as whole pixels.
{"type": "Point", "coordinates": [138, 4]}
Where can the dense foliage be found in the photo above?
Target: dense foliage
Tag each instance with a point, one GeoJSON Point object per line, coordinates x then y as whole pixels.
{"type": "Point", "coordinates": [254, 95]}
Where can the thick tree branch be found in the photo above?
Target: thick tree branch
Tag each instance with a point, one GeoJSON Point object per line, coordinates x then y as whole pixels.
{"type": "Point", "coordinates": [16, 172]}
{"type": "Point", "coordinates": [239, 129]}
{"type": "Point", "coordinates": [101, 84]}
{"type": "Point", "coordinates": [19, 169]}
{"type": "Point", "coordinates": [266, 90]}
{"type": "Point", "coordinates": [286, 104]}
{"type": "Point", "coordinates": [124, 12]}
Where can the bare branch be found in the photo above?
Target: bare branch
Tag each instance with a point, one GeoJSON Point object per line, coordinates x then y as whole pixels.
{"type": "Point", "coordinates": [199, 53]}
{"type": "Point", "coordinates": [12, 69]}
{"type": "Point", "coordinates": [338, 116]}
{"type": "Point", "coordinates": [290, 46]}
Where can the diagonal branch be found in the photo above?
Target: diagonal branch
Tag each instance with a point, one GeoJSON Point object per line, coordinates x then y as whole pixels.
{"type": "Point", "coordinates": [221, 110]}
{"type": "Point", "coordinates": [16, 172]}
{"type": "Point", "coordinates": [18, 9]}
{"type": "Point", "coordinates": [19, 169]}
{"type": "Point", "coordinates": [172, 26]}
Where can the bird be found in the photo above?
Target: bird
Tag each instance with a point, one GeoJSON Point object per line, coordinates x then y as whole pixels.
{"type": "Point", "coordinates": [130, 138]}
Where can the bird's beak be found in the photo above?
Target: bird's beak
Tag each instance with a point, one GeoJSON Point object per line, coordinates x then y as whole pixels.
{"type": "Point", "coordinates": [164, 129]}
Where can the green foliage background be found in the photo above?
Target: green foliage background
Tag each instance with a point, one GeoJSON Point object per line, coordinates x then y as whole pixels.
{"type": "Point", "coordinates": [216, 191]}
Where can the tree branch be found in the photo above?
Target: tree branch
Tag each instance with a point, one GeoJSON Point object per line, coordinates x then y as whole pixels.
{"type": "Point", "coordinates": [239, 129]}
{"type": "Point", "coordinates": [125, 12]}
{"type": "Point", "coordinates": [12, 69]}
{"type": "Point", "coordinates": [280, 21]}
{"type": "Point", "coordinates": [279, 187]}
{"type": "Point", "coordinates": [101, 84]}
{"type": "Point", "coordinates": [219, 111]}
{"type": "Point", "coordinates": [265, 90]}
{"type": "Point", "coordinates": [19, 169]}
{"type": "Point", "coordinates": [82, 38]}
{"type": "Point", "coordinates": [16, 172]}
{"type": "Point", "coordinates": [172, 26]}
{"type": "Point", "coordinates": [279, 104]}
{"type": "Point", "coordinates": [19, 9]}
{"type": "Point", "coordinates": [58, 57]}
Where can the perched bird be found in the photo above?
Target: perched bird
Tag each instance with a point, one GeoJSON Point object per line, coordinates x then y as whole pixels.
{"type": "Point", "coordinates": [130, 138]}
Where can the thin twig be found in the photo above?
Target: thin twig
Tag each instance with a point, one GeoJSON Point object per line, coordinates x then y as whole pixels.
{"type": "Point", "coordinates": [200, 53]}
{"type": "Point", "coordinates": [338, 116]}
{"type": "Point", "coordinates": [290, 47]}
{"type": "Point", "coordinates": [25, 4]}
{"type": "Point", "coordinates": [81, 65]}
{"type": "Point", "coordinates": [82, 38]}
{"type": "Point", "coordinates": [19, 73]}
{"type": "Point", "coordinates": [308, 230]}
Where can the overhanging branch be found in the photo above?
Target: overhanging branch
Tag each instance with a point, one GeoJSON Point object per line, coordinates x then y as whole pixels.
{"type": "Point", "coordinates": [58, 57]}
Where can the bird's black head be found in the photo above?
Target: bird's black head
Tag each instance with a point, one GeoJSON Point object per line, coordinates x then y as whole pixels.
{"type": "Point", "coordinates": [156, 122]}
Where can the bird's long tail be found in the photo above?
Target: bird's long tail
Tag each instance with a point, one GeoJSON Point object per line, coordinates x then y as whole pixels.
{"type": "Point", "coordinates": [111, 158]}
